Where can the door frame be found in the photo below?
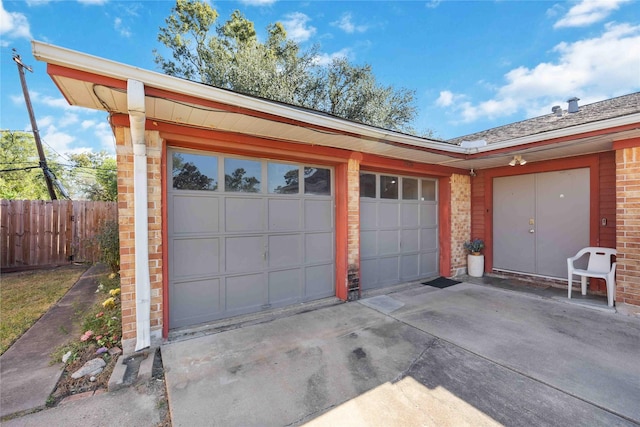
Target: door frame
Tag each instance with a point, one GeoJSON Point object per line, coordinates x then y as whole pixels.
{"type": "Point", "coordinates": [591, 161]}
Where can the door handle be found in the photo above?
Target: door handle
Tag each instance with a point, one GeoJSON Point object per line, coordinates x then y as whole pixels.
{"type": "Point", "coordinates": [532, 231]}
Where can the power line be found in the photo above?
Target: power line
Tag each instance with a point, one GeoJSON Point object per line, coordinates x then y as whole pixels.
{"type": "Point", "coordinates": [20, 169]}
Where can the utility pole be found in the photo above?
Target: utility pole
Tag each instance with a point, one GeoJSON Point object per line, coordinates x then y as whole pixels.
{"type": "Point", "coordinates": [48, 175]}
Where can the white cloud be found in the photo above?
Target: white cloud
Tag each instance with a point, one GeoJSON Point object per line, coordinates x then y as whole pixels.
{"type": "Point", "coordinates": [432, 4]}
{"type": "Point", "coordinates": [105, 135]}
{"type": "Point", "coordinates": [326, 58]}
{"type": "Point", "coordinates": [86, 124]}
{"type": "Point", "coordinates": [68, 119]}
{"type": "Point", "coordinates": [93, 2]}
{"type": "Point", "coordinates": [120, 28]}
{"type": "Point", "coordinates": [346, 24]}
{"type": "Point", "coordinates": [296, 26]}
{"type": "Point", "coordinates": [13, 25]}
{"type": "Point", "coordinates": [445, 99]}
{"type": "Point", "coordinates": [588, 12]}
{"type": "Point", "coordinates": [593, 69]}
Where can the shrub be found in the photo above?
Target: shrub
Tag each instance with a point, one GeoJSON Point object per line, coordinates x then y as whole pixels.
{"type": "Point", "coordinates": [108, 240]}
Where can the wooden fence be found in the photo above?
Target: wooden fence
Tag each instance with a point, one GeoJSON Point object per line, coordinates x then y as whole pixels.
{"type": "Point", "coordinates": [38, 233]}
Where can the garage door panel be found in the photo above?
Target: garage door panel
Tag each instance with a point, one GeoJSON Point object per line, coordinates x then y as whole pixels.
{"type": "Point", "coordinates": [429, 264]}
{"type": "Point", "coordinates": [389, 242]}
{"type": "Point", "coordinates": [194, 301]}
{"type": "Point", "coordinates": [429, 239]}
{"type": "Point", "coordinates": [244, 292]}
{"type": "Point", "coordinates": [410, 266]}
{"type": "Point", "coordinates": [388, 215]}
{"type": "Point", "coordinates": [195, 257]}
{"type": "Point", "coordinates": [318, 214]}
{"type": "Point", "coordinates": [285, 286]}
{"type": "Point", "coordinates": [368, 215]}
{"type": "Point", "coordinates": [369, 273]}
{"type": "Point", "coordinates": [193, 214]}
{"type": "Point", "coordinates": [410, 215]}
{"type": "Point", "coordinates": [244, 214]}
{"type": "Point", "coordinates": [285, 250]}
{"type": "Point", "coordinates": [410, 240]}
{"type": "Point", "coordinates": [319, 281]}
{"type": "Point", "coordinates": [284, 215]}
{"type": "Point", "coordinates": [389, 270]}
{"type": "Point", "coordinates": [244, 253]}
{"type": "Point", "coordinates": [428, 215]}
{"type": "Point", "coordinates": [318, 247]}
{"type": "Point", "coordinates": [368, 243]}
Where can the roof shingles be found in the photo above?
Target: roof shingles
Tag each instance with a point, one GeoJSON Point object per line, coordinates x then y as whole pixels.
{"type": "Point", "coordinates": [603, 110]}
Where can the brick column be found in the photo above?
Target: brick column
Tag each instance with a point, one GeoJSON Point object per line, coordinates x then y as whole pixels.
{"type": "Point", "coordinates": [460, 221]}
{"type": "Point", "coordinates": [353, 225]}
{"type": "Point", "coordinates": [628, 229]}
{"type": "Point", "coordinates": [124, 155]}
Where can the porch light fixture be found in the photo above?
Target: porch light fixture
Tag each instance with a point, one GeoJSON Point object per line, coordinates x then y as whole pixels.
{"type": "Point", "coordinates": [517, 160]}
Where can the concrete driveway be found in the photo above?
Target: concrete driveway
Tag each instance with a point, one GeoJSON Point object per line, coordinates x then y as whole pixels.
{"type": "Point", "coordinates": [464, 355]}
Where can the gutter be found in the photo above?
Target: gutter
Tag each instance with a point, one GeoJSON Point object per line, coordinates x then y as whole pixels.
{"type": "Point", "coordinates": [92, 64]}
{"type": "Point", "coordinates": [137, 119]}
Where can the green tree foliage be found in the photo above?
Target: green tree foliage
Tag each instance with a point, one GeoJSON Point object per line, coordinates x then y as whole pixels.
{"type": "Point", "coordinates": [187, 176]}
{"type": "Point", "coordinates": [94, 176]}
{"type": "Point", "coordinates": [236, 181]}
{"type": "Point", "coordinates": [18, 151]}
{"type": "Point", "coordinates": [231, 56]}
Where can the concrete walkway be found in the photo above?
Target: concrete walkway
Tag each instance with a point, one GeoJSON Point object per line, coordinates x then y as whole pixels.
{"type": "Point", "coordinates": [26, 373]}
{"type": "Point", "coordinates": [465, 355]}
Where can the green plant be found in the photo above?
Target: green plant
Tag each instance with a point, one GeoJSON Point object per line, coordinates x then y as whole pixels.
{"type": "Point", "coordinates": [108, 240]}
{"type": "Point", "coordinates": [474, 246]}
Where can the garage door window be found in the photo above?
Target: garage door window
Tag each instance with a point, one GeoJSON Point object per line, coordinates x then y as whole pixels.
{"type": "Point", "coordinates": [242, 175]}
{"type": "Point", "coordinates": [368, 185]}
{"type": "Point", "coordinates": [195, 172]}
{"type": "Point", "coordinates": [283, 178]}
{"type": "Point", "coordinates": [428, 191]}
{"type": "Point", "coordinates": [388, 187]}
{"type": "Point", "coordinates": [317, 181]}
{"type": "Point", "coordinates": [409, 189]}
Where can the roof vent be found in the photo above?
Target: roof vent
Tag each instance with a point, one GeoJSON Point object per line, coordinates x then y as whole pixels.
{"type": "Point", "coordinates": [557, 110]}
{"type": "Point", "coordinates": [573, 104]}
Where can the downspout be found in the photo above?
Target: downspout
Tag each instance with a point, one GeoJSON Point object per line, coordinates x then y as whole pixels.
{"type": "Point", "coordinates": [137, 118]}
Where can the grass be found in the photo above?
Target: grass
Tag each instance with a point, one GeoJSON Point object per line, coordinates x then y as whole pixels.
{"type": "Point", "coordinates": [27, 295]}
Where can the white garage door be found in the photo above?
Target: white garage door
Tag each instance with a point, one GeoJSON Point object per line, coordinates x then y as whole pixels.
{"type": "Point", "coordinates": [246, 235]}
{"type": "Point", "coordinates": [398, 229]}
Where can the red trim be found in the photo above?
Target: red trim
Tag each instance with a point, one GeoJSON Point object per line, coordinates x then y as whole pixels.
{"type": "Point", "coordinates": [444, 225]}
{"type": "Point", "coordinates": [165, 243]}
{"type": "Point", "coordinates": [59, 71]}
{"type": "Point", "coordinates": [590, 161]}
{"type": "Point", "coordinates": [342, 230]}
{"type": "Point", "coordinates": [626, 143]}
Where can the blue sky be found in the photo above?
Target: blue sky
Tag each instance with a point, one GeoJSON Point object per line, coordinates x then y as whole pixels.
{"type": "Point", "coordinates": [474, 65]}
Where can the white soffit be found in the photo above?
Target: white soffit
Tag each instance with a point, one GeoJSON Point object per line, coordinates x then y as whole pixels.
{"type": "Point", "coordinates": [360, 137]}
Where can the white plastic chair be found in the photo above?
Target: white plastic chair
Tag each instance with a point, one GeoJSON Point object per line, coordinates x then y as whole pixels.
{"type": "Point", "coordinates": [599, 266]}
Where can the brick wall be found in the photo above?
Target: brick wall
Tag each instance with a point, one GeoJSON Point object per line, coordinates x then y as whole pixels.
{"type": "Point", "coordinates": [460, 221]}
{"type": "Point", "coordinates": [628, 226]}
{"type": "Point", "coordinates": [124, 154]}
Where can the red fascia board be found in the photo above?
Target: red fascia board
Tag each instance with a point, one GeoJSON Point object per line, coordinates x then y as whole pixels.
{"type": "Point", "coordinates": [626, 143]}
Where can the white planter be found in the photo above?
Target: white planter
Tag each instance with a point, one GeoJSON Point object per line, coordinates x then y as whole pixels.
{"type": "Point", "coordinates": [475, 265]}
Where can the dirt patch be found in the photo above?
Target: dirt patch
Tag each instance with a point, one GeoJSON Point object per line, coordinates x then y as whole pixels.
{"type": "Point", "coordinates": [68, 386]}
{"type": "Point", "coordinates": [156, 386]}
